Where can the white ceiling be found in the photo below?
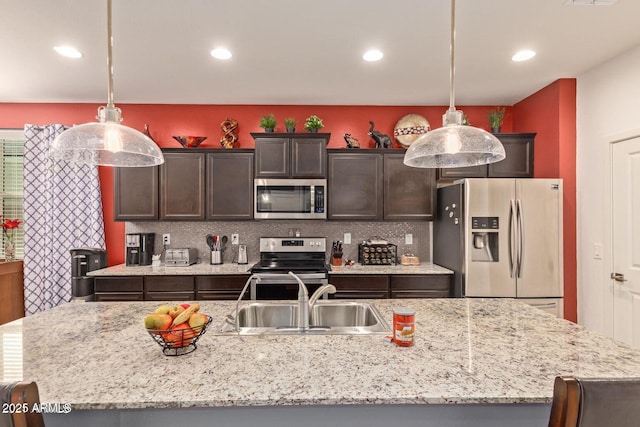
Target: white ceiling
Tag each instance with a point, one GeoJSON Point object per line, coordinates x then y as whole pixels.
{"type": "Point", "coordinates": [302, 51]}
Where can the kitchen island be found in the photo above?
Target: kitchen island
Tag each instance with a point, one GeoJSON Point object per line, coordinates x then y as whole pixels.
{"type": "Point", "coordinates": [474, 362]}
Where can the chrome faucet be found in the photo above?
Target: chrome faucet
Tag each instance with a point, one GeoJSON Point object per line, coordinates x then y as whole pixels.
{"type": "Point", "coordinates": [324, 289]}
{"type": "Point", "coordinates": [303, 303]}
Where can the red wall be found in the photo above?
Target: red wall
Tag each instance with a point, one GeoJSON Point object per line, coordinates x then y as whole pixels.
{"type": "Point", "coordinates": [551, 112]}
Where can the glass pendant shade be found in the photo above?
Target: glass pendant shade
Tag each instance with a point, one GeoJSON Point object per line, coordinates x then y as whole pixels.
{"type": "Point", "coordinates": [106, 143]}
{"type": "Point", "coordinates": [454, 145]}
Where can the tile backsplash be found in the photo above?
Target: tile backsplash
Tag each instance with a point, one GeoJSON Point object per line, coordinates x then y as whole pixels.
{"type": "Point", "coordinates": [192, 234]}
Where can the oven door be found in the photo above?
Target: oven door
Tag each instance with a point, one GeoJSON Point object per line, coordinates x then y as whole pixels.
{"type": "Point", "coordinates": [281, 286]}
{"type": "Point", "coordinates": [289, 199]}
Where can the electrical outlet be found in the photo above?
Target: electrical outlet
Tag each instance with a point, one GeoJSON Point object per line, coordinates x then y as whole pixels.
{"type": "Point", "coordinates": [166, 239]}
{"type": "Point", "coordinates": [408, 239]}
{"type": "Point", "coordinates": [235, 239]}
{"type": "Point", "coordinates": [347, 238]}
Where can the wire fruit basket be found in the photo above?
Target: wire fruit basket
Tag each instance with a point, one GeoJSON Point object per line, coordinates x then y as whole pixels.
{"type": "Point", "coordinates": [179, 341]}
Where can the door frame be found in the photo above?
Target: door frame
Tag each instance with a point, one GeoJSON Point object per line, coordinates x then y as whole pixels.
{"type": "Point", "coordinates": [607, 291]}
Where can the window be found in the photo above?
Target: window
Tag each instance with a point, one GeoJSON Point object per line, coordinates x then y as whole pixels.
{"type": "Point", "coordinates": [11, 159]}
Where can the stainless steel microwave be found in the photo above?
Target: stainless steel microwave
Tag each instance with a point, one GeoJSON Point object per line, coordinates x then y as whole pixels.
{"type": "Point", "coordinates": [290, 199]}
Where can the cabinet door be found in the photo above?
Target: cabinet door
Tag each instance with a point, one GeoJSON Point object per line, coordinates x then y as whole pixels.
{"type": "Point", "coordinates": [182, 184]}
{"type": "Point", "coordinates": [308, 158]}
{"type": "Point", "coordinates": [518, 162]}
{"type": "Point", "coordinates": [119, 284]}
{"type": "Point", "coordinates": [230, 186]}
{"type": "Point", "coordinates": [168, 283]}
{"type": "Point", "coordinates": [360, 286]}
{"type": "Point", "coordinates": [169, 296]}
{"type": "Point", "coordinates": [272, 158]}
{"type": "Point", "coordinates": [118, 296]}
{"type": "Point", "coordinates": [421, 286]}
{"type": "Point", "coordinates": [135, 193]}
{"type": "Point", "coordinates": [221, 287]}
{"type": "Point", "coordinates": [355, 186]}
{"type": "Point", "coordinates": [466, 172]}
{"type": "Point", "coordinates": [409, 193]}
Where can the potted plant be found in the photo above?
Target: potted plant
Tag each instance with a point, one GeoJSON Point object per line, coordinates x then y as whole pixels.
{"type": "Point", "coordinates": [290, 124]}
{"type": "Point", "coordinates": [313, 123]}
{"type": "Point", "coordinates": [268, 123]}
{"type": "Point", "coordinates": [496, 116]}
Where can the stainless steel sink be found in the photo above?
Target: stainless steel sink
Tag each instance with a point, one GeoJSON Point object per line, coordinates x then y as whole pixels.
{"type": "Point", "coordinates": [326, 318]}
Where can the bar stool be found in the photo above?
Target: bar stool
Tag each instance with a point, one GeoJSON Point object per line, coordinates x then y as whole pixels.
{"type": "Point", "coordinates": [17, 394]}
{"type": "Point", "coordinates": [595, 402]}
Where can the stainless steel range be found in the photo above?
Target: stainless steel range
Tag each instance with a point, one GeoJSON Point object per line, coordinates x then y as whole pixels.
{"type": "Point", "coordinates": [304, 256]}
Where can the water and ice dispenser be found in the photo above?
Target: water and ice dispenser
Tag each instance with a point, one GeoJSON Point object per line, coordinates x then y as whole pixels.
{"type": "Point", "coordinates": [484, 239]}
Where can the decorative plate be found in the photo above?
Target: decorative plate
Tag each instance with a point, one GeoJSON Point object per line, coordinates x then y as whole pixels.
{"type": "Point", "coordinates": [409, 128]}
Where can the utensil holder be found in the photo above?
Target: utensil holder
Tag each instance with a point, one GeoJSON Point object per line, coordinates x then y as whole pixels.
{"type": "Point", "coordinates": [216, 257]}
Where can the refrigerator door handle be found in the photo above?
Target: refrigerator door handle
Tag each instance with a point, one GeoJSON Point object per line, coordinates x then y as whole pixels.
{"type": "Point", "coordinates": [520, 220]}
{"type": "Point", "coordinates": [512, 238]}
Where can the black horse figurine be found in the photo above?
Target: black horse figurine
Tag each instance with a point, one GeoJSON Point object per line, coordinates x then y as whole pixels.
{"type": "Point", "coordinates": [382, 140]}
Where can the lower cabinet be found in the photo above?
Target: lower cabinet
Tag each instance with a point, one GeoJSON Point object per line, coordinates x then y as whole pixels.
{"type": "Point", "coordinates": [169, 288]}
{"type": "Point", "coordinates": [221, 287]}
{"type": "Point", "coordinates": [119, 288]}
{"type": "Point", "coordinates": [358, 286]}
{"type": "Point", "coordinates": [421, 286]}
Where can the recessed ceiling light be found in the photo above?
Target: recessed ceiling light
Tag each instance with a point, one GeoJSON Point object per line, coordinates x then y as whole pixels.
{"type": "Point", "coordinates": [372, 55]}
{"type": "Point", "coordinates": [68, 51]}
{"type": "Point", "coordinates": [221, 53]}
{"type": "Point", "coordinates": [523, 55]}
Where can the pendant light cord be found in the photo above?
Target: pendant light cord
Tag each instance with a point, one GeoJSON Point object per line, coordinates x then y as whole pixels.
{"type": "Point", "coordinates": [109, 58]}
{"type": "Point", "coordinates": [452, 56]}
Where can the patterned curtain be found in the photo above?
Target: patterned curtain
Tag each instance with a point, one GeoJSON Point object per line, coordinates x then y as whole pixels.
{"type": "Point", "coordinates": [62, 211]}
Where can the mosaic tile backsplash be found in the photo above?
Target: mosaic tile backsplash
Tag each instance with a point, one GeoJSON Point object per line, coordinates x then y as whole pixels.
{"type": "Point", "coordinates": [192, 234]}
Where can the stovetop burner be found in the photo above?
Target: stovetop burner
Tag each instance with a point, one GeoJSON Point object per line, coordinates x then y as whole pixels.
{"type": "Point", "coordinates": [299, 255]}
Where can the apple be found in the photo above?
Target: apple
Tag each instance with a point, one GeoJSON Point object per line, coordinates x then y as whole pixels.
{"type": "Point", "coordinates": [158, 321]}
{"type": "Point", "coordinates": [197, 321]}
{"type": "Point", "coordinates": [180, 336]}
{"type": "Point", "coordinates": [185, 306]}
{"type": "Point", "coordinates": [175, 310]}
{"type": "Point", "coordinates": [163, 309]}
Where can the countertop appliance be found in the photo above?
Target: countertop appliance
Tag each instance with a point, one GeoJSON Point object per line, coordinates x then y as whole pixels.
{"type": "Point", "coordinates": [139, 248]}
{"type": "Point", "coordinates": [502, 237]}
{"type": "Point", "coordinates": [242, 254]}
{"type": "Point", "coordinates": [304, 256]}
{"type": "Point", "coordinates": [84, 260]}
{"type": "Point", "coordinates": [181, 257]}
{"type": "Point", "coordinates": [289, 199]}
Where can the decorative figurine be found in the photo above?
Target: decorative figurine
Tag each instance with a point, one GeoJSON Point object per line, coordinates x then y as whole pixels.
{"type": "Point", "coordinates": [148, 132]}
{"type": "Point", "coordinates": [382, 140]}
{"type": "Point", "coordinates": [351, 141]}
{"type": "Point", "coordinates": [230, 137]}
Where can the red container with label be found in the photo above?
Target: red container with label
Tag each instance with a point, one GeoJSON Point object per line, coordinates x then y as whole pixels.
{"type": "Point", "coordinates": [403, 326]}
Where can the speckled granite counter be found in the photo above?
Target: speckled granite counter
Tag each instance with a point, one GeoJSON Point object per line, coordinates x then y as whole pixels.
{"type": "Point", "coordinates": [207, 269]}
{"type": "Point", "coordinates": [423, 268]}
{"type": "Point", "coordinates": [467, 351]}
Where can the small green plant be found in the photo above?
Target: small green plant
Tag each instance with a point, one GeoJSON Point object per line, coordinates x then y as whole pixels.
{"type": "Point", "coordinates": [289, 123]}
{"type": "Point", "coordinates": [313, 122]}
{"type": "Point", "coordinates": [496, 116]}
{"type": "Point", "coordinates": [268, 122]}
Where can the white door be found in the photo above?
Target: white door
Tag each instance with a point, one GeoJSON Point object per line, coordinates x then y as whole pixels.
{"type": "Point", "coordinates": [625, 277]}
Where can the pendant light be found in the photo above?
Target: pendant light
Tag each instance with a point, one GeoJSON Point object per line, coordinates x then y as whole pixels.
{"type": "Point", "coordinates": [454, 144]}
{"type": "Point", "coordinates": [107, 142]}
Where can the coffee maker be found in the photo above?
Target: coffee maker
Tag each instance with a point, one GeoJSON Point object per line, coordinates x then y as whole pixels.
{"type": "Point", "coordinates": [139, 247]}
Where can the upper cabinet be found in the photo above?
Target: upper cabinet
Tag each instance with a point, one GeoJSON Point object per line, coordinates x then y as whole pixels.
{"type": "Point", "coordinates": [136, 193]}
{"type": "Point", "coordinates": [291, 155]}
{"type": "Point", "coordinates": [193, 184]}
{"type": "Point", "coordinates": [518, 162]}
{"type": "Point", "coordinates": [376, 185]}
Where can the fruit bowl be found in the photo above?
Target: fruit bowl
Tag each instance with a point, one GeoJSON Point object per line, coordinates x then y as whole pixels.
{"type": "Point", "coordinates": [179, 341]}
{"type": "Point", "coordinates": [189, 141]}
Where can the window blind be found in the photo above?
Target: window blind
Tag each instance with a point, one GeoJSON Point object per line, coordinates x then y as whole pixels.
{"type": "Point", "coordinates": [11, 173]}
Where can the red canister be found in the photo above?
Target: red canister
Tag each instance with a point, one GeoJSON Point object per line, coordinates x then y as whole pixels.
{"type": "Point", "coordinates": [403, 326]}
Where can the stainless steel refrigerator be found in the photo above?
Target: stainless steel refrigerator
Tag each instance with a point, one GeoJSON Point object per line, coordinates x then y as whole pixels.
{"type": "Point", "coordinates": [503, 238]}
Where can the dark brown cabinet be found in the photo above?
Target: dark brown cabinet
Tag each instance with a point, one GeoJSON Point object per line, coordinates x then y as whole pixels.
{"type": "Point", "coordinates": [182, 186]}
{"type": "Point", "coordinates": [169, 288]}
{"type": "Point", "coordinates": [230, 186]}
{"type": "Point", "coordinates": [221, 287]}
{"type": "Point", "coordinates": [518, 162]}
{"type": "Point", "coordinates": [409, 193]}
{"type": "Point", "coordinates": [136, 194]}
{"type": "Point", "coordinates": [358, 286]}
{"type": "Point", "coordinates": [376, 185]}
{"type": "Point", "coordinates": [119, 288]}
{"type": "Point", "coordinates": [354, 184]}
{"type": "Point", "coordinates": [284, 155]}
{"type": "Point", "coordinates": [421, 286]}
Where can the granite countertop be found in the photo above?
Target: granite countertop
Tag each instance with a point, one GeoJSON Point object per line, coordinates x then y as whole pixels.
{"type": "Point", "coordinates": [229, 268]}
{"type": "Point", "coordinates": [467, 351]}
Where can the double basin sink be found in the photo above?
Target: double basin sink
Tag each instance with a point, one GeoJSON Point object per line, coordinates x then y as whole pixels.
{"type": "Point", "coordinates": [325, 318]}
